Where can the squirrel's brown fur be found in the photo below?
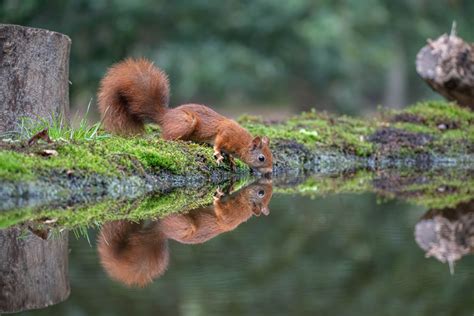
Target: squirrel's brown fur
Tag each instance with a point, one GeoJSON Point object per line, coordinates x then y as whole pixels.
{"type": "Point", "coordinates": [134, 92]}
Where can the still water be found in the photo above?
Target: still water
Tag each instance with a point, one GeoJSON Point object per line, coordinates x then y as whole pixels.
{"type": "Point", "coordinates": [252, 252]}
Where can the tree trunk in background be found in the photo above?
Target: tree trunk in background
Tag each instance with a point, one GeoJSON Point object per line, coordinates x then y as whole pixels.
{"type": "Point", "coordinates": [447, 65]}
{"type": "Point", "coordinates": [396, 79]}
{"type": "Point", "coordinates": [34, 74]}
{"type": "Point", "coordinates": [33, 271]}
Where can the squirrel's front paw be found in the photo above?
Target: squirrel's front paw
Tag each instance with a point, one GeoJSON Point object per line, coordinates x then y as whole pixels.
{"type": "Point", "coordinates": [218, 157]}
{"type": "Point", "coordinates": [218, 194]}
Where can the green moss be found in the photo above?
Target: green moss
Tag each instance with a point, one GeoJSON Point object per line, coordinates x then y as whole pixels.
{"type": "Point", "coordinates": [441, 189]}
{"type": "Point", "coordinates": [111, 156]}
{"type": "Point", "coordinates": [416, 128]}
{"type": "Point", "coordinates": [314, 186]}
{"type": "Point", "coordinates": [434, 113]}
{"type": "Point", "coordinates": [432, 189]}
{"type": "Point", "coordinates": [319, 130]}
{"type": "Point", "coordinates": [14, 217]}
{"type": "Point", "coordinates": [90, 150]}
{"type": "Point", "coordinates": [26, 165]}
{"type": "Point", "coordinates": [451, 126]}
{"type": "Point", "coordinates": [148, 207]}
{"type": "Point", "coordinates": [13, 166]}
{"type": "Point", "coordinates": [154, 153]}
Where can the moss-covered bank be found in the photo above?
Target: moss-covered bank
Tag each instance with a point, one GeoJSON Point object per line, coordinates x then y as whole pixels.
{"type": "Point", "coordinates": [427, 134]}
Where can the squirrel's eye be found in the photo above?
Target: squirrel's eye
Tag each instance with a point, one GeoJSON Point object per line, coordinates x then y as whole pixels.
{"type": "Point", "coordinates": [261, 158]}
{"type": "Point", "coordinates": [261, 193]}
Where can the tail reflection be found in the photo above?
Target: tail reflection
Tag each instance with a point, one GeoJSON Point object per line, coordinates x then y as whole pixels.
{"type": "Point", "coordinates": [133, 253]}
{"type": "Point", "coordinates": [447, 234]}
{"type": "Point", "coordinates": [137, 253]}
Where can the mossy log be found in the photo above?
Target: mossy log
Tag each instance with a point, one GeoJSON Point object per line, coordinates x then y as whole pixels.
{"type": "Point", "coordinates": [80, 169]}
{"type": "Point", "coordinates": [447, 65]}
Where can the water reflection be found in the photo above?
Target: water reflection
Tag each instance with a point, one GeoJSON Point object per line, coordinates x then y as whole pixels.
{"type": "Point", "coordinates": [447, 234]}
{"type": "Point", "coordinates": [137, 253]}
{"type": "Point", "coordinates": [33, 269]}
{"type": "Point", "coordinates": [314, 255]}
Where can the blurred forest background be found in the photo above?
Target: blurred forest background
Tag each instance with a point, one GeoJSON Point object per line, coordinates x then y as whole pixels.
{"type": "Point", "coordinates": [261, 56]}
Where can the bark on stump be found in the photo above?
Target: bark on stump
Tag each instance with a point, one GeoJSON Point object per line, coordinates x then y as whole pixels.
{"type": "Point", "coordinates": [34, 74]}
{"type": "Point", "coordinates": [447, 65]}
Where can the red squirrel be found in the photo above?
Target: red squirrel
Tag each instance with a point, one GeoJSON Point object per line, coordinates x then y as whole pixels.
{"type": "Point", "coordinates": [134, 91]}
{"type": "Point", "coordinates": [137, 253]}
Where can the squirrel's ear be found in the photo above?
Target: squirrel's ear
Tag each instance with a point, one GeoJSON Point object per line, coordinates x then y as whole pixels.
{"type": "Point", "coordinates": [256, 142]}
{"type": "Point", "coordinates": [266, 140]}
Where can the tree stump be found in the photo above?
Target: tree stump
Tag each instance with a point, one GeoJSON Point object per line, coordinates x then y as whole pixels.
{"type": "Point", "coordinates": [34, 75]}
{"type": "Point", "coordinates": [34, 72]}
{"type": "Point", "coordinates": [447, 65]}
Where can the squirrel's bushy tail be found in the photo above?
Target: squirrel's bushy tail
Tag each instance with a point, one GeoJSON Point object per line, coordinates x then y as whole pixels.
{"type": "Point", "coordinates": [132, 92]}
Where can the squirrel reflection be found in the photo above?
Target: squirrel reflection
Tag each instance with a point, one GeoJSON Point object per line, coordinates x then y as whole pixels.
{"type": "Point", "coordinates": [447, 234]}
{"type": "Point", "coordinates": [137, 253]}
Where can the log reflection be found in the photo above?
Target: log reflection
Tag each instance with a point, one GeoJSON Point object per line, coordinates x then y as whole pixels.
{"type": "Point", "coordinates": [447, 234]}
{"type": "Point", "coordinates": [33, 269]}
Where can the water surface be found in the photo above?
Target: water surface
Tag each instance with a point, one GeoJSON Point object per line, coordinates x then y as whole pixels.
{"type": "Point", "coordinates": [336, 254]}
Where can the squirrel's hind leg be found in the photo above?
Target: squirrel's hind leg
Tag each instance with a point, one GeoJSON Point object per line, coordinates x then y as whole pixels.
{"type": "Point", "coordinates": [217, 149]}
{"type": "Point", "coordinates": [179, 124]}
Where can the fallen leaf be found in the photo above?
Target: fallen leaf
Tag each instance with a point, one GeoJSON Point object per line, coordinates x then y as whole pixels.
{"type": "Point", "coordinates": [49, 152]}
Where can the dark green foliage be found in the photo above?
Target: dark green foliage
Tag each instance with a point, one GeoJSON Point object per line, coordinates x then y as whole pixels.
{"type": "Point", "coordinates": [341, 55]}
